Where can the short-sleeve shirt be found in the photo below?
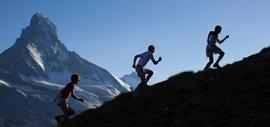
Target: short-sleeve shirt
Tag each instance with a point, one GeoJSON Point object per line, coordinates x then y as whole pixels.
{"type": "Point", "coordinates": [145, 57]}
{"type": "Point", "coordinates": [67, 90]}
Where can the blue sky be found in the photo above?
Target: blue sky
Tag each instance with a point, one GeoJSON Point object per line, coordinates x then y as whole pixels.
{"type": "Point", "coordinates": [110, 32]}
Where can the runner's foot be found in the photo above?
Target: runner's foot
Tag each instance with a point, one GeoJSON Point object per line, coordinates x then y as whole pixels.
{"type": "Point", "coordinates": [217, 66]}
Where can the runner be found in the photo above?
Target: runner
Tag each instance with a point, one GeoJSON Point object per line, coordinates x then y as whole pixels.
{"type": "Point", "coordinates": [62, 99]}
{"type": "Point", "coordinates": [213, 49]}
{"type": "Point", "coordinates": [140, 67]}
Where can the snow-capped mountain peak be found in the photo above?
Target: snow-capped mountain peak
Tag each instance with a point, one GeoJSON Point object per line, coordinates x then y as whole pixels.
{"type": "Point", "coordinates": [41, 22]}
{"type": "Point", "coordinates": [37, 66]}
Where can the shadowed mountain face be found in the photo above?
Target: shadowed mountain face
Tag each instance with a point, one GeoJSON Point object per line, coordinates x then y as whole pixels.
{"type": "Point", "coordinates": [235, 96]}
{"type": "Point", "coordinates": [36, 67]}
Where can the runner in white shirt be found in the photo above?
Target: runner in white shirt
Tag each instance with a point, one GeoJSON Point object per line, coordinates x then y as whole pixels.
{"type": "Point", "coordinates": [213, 49]}
{"type": "Point", "coordinates": [140, 67]}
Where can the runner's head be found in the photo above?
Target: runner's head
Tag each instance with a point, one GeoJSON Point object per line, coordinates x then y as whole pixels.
{"type": "Point", "coordinates": [75, 78]}
{"type": "Point", "coordinates": [151, 48]}
{"type": "Point", "coordinates": [218, 29]}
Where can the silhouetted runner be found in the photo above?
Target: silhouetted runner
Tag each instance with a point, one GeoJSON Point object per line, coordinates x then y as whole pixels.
{"type": "Point", "coordinates": [140, 67]}
{"type": "Point", "coordinates": [62, 99]}
{"type": "Point", "coordinates": [213, 49]}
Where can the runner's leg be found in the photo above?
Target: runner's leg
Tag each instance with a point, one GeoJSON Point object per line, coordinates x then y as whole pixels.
{"type": "Point", "coordinates": [141, 74]}
{"type": "Point", "coordinates": [211, 60]}
{"type": "Point", "coordinates": [68, 111]}
{"type": "Point", "coordinates": [221, 54]}
{"type": "Point", "coordinates": [149, 74]}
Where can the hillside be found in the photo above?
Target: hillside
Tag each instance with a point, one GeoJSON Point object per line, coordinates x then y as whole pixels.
{"type": "Point", "coordinates": [235, 96]}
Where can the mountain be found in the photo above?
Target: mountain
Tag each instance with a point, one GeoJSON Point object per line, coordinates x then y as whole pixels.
{"type": "Point", "coordinates": [37, 66]}
{"type": "Point", "coordinates": [131, 79]}
{"type": "Point", "coordinates": [235, 96]}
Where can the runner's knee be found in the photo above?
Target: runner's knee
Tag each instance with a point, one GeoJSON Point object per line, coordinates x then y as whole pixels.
{"type": "Point", "coordinates": [222, 53]}
{"type": "Point", "coordinates": [150, 72]}
{"type": "Point", "coordinates": [211, 60]}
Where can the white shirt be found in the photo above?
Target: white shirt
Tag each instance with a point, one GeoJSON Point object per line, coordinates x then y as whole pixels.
{"type": "Point", "coordinates": [145, 57]}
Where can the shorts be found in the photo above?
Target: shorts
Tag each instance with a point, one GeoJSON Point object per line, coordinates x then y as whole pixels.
{"type": "Point", "coordinates": [61, 101]}
{"type": "Point", "coordinates": [210, 50]}
{"type": "Point", "coordinates": [141, 71]}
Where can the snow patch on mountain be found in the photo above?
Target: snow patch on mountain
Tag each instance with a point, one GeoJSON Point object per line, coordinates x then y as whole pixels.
{"type": "Point", "coordinates": [22, 93]}
{"type": "Point", "coordinates": [123, 84]}
{"type": "Point", "coordinates": [47, 84]}
{"type": "Point", "coordinates": [2, 82]}
{"type": "Point", "coordinates": [36, 55]}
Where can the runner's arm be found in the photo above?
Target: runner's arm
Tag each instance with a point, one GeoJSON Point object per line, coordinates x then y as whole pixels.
{"type": "Point", "coordinates": [221, 41]}
{"type": "Point", "coordinates": [208, 38]}
{"type": "Point", "coordinates": [76, 97]}
{"type": "Point", "coordinates": [154, 61]}
{"type": "Point", "coordinates": [135, 60]}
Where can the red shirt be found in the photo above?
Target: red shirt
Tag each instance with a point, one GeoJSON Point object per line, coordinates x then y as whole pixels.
{"type": "Point", "coordinates": [66, 92]}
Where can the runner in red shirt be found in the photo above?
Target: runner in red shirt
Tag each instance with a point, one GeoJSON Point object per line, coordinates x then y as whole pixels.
{"type": "Point", "coordinates": [62, 99]}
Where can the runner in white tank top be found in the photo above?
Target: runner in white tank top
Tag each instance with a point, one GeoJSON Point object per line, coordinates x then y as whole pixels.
{"type": "Point", "coordinates": [140, 67]}
{"type": "Point", "coordinates": [213, 49]}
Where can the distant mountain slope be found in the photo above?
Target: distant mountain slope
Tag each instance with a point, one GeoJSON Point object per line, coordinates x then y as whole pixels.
{"type": "Point", "coordinates": [235, 96]}
{"type": "Point", "coordinates": [131, 79]}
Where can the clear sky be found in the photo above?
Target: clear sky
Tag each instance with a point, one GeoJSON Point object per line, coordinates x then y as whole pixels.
{"type": "Point", "coordinates": [110, 32]}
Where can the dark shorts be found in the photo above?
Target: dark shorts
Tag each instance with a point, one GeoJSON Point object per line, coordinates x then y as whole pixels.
{"type": "Point", "coordinates": [142, 71]}
{"type": "Point", "coordinates": [61, 101]}
{"type": "Point", "coordinates": [210, 50]}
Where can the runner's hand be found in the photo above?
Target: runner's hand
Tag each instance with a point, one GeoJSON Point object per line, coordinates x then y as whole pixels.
{"type": "Point", "coordinates": [159, 59]}
{"type": "Point", "coordinates": [227, 36]}
{"type": "Point", "coordinates": [133, 66]}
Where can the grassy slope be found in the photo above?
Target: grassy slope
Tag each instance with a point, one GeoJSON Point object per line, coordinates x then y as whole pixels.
{"type": "Point", "coordinates": [235, 96]}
